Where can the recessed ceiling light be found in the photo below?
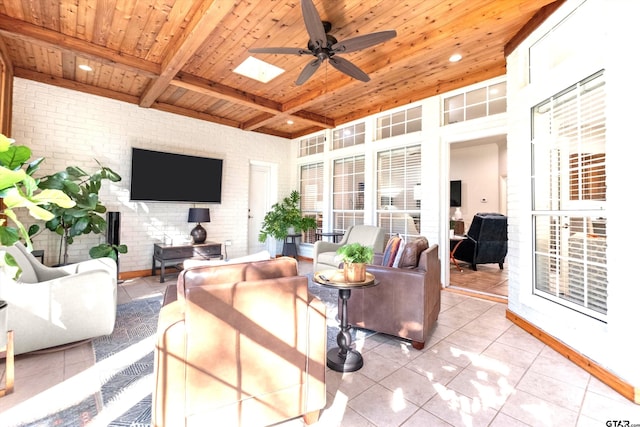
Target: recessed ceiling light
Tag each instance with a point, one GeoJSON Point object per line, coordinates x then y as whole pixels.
{"type": "Point", "coordinates": [455, 57]}
{"type": "Point", "coordinates": [289, 122]}
{"type": "Point", "coordinates": [85, 67]}
{"type": "Point", "coordinates": [258, 70]}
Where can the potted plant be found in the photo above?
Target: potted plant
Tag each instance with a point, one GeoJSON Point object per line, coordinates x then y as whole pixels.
{"type": "Point", "coordinates": [355, 257]}
{"type": "Point", "coordinates": [285, 218]}
{"type": "Point", "coordinates": [85, 217]}
{"type": "Point", "coordinates": [18, 189]}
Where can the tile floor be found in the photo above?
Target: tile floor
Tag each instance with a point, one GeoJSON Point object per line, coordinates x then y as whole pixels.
{"type": "Point", "coordinates": [477, 369]}
{"type": "Point", "coordinates": [488, 278]}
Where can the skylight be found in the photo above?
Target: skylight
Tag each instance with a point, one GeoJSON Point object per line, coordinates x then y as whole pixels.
{"type": "Point", "coordinates": [258, 70]}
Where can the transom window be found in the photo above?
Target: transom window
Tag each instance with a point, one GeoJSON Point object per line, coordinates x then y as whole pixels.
{"type": "Point", "coordinates": [399, 123]}
{"type": "Point", "coordinates": [476, 103]}
{"type": "Point", "coordinates": [348, 136]}
{"type": "Point", "coordinates": [312, 145]}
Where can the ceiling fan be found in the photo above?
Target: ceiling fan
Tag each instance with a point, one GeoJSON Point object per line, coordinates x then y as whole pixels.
{"type": "Point", "coordinates": [325, 47]}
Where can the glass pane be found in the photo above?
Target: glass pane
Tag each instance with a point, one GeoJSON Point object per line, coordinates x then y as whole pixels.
{"type": "Point", "coordinates": [498, 106]}
{"type": "Point", "coordinates": [414, 126]}
{"type": "Point", "coordinates": [454, 102]}
{"type": "Point", "coordinates": [414, 113]}
{"type": "Point", "coordinates": [455, 116]}
{"type": "Point", "coordinates": [476, 111]}
{"type": "Point", "coordinates": [398, 117]}
{"type": "Point", "coordinates": [398, 129]}
{"type": "Point", "coordinates": [478, 96]}
{"type": "Point", "coordinates": [498, 91]}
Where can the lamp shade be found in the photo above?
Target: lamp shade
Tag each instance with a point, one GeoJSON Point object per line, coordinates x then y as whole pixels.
{"type": "Point", "coordinates": [199, 215]}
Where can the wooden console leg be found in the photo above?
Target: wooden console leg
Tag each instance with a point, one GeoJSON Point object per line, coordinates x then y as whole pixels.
{"type": "Point", "coordinates": [9, 368]}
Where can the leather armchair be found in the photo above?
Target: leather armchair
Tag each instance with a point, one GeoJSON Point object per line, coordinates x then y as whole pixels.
{"type": "Point", "coordinates": [485, 243]}
{"type": "Point", "coordinates": [51, 306]}
{"type": "Point", "coordinates": [240, 344]}
{"type": "Point", "coordinates": [406, 302]}
{"type": "Point", "coordinates": [324, 253]}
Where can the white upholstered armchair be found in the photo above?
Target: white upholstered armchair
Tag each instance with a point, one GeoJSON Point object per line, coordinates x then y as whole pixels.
{"type": "Point", "coordinates": [324, 253]}
{"type": "Point", "coordinates": [51, 306]}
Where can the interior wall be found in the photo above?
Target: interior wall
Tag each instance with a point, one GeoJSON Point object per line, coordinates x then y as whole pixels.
{"type": "Point", "coordinates": [478, 168]}
{"type": "Point", "coordinates": [73, 128]}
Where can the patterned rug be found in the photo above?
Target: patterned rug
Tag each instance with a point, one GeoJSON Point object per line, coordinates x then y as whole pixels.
{"type": "Point", "coordinates": [124, 362]}
{"type": "Point", "coordinates": [128, 377]}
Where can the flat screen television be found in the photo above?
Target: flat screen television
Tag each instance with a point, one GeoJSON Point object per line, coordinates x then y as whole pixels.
{"type": "Point", "coordinates": [167, 177]}
{"type": "Point", "coordinates": [455, 193]}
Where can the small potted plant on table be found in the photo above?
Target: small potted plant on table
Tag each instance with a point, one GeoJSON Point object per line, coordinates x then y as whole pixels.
{"type": "Point", "coordinates": [355, 257]}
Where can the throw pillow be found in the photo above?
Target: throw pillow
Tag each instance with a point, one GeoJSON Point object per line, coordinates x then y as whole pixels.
{"type": "Point", "coordinates": [391, 251]}
{"type": "Point", "coordinates": [396, 261]}
{"type": "Point", "coordinates": [412, 251]}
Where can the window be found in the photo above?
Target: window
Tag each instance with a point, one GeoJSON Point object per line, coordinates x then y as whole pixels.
{"type": "Point", "coordinates": [311, 197]}
{"type": "Point", "coordinates": [399, 191]}
{"type": "Point", "coordinates": [348, 192]}
{"type": "Point", "coordinates": [312, 145]}
{"type": "Point", "coordinates": [348, 136]}
{"type": "Point", "coordinates": [477, 103]}
{"type": "Point", "coordinates": [399, 123]}
{"type": "Point", "coordinates": [569, 203]}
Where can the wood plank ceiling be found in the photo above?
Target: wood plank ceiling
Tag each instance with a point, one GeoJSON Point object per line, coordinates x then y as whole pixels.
{"type": "Point", "coordinates": [179, 55]}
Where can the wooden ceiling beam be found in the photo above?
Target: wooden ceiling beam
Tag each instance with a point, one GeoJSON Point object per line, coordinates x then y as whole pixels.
{"type": "Point", "coordinates": [306, 116]}
{"type": "Point", "coordinates": [216, 90]}
{"type": "Point", "coordinates": [207, 17]}
{"type": "Point", "coordinates": [74, 85]}
{"type": "Point", "coordinates": [257, 121]}
{"type": "Point", "coordinates": [194, 114]}
{"type": "Point", "coordinates": [24, 31]}
{"type": "Point", "coordinates": [274, 109]}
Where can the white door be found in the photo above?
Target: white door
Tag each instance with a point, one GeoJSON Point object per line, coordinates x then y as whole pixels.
{"type": "Point", "coordinates": [259, 203]}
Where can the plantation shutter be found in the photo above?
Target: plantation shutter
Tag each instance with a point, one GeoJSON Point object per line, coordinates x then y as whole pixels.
{"type": "Point", "coordinates": [569, 185]}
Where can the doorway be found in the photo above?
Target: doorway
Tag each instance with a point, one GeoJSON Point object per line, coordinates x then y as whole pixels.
{"type": "Point", "coordinates": [262, 185]}
{"type": "Point", "coordinates": [481, 166]}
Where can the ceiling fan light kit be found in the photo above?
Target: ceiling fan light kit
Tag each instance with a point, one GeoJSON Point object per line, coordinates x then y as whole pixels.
{"type": "Point", "coordinates": [325, 47]}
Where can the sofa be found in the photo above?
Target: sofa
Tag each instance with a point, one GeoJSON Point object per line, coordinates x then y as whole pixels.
{"type": "Point", "coordinates": [239, 344]}
{"type": "Point", "coordinates": [54, 306]}
{"type": "Point", "coordinates": [406, 302]}
{"type": "Point", "coordinates": [325, 253]}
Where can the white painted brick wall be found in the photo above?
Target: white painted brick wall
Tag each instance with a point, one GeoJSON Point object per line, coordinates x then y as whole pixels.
{"type": "Point", "coordinates": [73, 128]}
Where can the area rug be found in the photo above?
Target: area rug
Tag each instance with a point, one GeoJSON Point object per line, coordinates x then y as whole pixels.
{"type": "Point", "coordinates": [124, 365]}
{"type": "Point", "coordinates": [128, 377]}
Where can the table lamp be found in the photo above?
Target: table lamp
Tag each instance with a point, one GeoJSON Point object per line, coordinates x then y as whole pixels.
{"type": "Point", "coordinates": [199, 234]}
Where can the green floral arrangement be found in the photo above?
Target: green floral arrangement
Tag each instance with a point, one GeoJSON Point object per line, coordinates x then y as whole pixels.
{"type": "Point", "coordinates": [355, 253]}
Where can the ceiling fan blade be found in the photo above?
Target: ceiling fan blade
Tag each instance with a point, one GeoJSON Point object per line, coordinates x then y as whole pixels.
{"type": "Point", "coordinates": [314, 24]}
{"type": "Point", "coordinates": [283, 50]}
{"type": "Point", "coordinates": [364, 41]}
{"type": "Point", "coordinates": [308, 71]}
{"type": "Point", "coordinates": [348, 68]}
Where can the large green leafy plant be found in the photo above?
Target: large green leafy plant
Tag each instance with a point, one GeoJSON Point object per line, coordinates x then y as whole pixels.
{"type": "Point", "coordinates": [284, 216]}
{"type": "Point", "coordinates": [86, 216]}
{"type": "Point", "coordinates": [18, 189]}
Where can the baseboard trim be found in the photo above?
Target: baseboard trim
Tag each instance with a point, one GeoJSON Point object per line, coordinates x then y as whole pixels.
{"type": "Point", "coordinates": [625, 389]}
{"type": "Point", "coordinates": [143, 273]}
{"type": "Point", "coordinates": [474, 294]}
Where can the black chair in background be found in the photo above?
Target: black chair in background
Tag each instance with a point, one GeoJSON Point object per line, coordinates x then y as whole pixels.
{"type": "Point", "coordinates": [485, 243]}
